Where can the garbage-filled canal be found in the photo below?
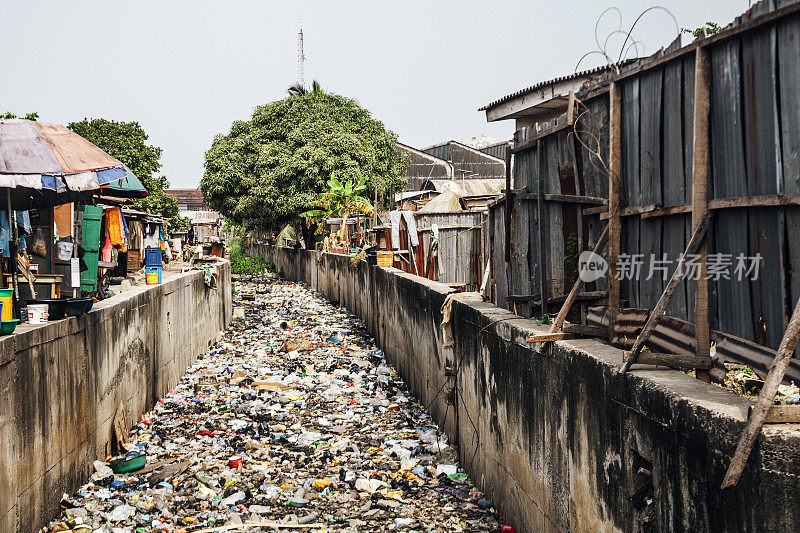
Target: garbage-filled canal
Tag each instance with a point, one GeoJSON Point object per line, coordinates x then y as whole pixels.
{"type": "Point", "coordinates": [293, 421]}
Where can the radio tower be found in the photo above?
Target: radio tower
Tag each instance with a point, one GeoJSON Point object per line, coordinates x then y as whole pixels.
{"type": "Point", "coordinates": [301, 57]}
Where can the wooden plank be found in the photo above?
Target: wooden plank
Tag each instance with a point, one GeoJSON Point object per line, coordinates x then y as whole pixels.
{"type": "Point", "coordinates": [614, 224]}
{"type": "Point", "coordinates": [658, 311]}
{"type": "Point", "coordinates": [570, 230]}
{"type": "Point", "coordinates": [509, 199]}
{"type": "Point", "coordinates": [674, 180]}
{"type": "Point", "coordinates": [765, 399]}
{"type": "Point", "coordinates": [650, 182]}
{"type": "Point", "coordinates": [702, 94]}
{"type": "Point", "coordinates": [729, 175]}
{"type": "Point", "coordinates": [673, 360]}
{"type": "Point", "coordinates": [542, 236]}
{"type": "Point", "coordinates": [587, 211]}
{"type": "Point", "coordinates": [550, 337]}
{"type": "Point", "coordinates": [780, 414]}
{"type": "Point", "coordinates": [788, 48]}
{"type": "Point", "coordinates": [520, 238]}
{"type": "Point", "coordinates": [783, 414]}
{"type": "Point", "coordinates": [629, 139]}
{"type": "Point", "coordinates": [761, 122]}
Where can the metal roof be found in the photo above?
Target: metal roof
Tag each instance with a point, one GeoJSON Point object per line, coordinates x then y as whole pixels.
{"type": "Point", "coordinates": [560, 79]}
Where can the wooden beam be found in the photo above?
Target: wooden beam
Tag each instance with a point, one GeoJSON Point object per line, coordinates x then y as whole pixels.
{"type": "Point", "coordinates": [653, 210]}
{"type": "Point", "coordinates": [534, 138]}
{"type": "Point", "coordinates": [595, 210]}
{"type": "Point", "coordinates": [765, 399]}
{"type": "Point", "coordinates": [669, 291]}
{"type": "Point", "coordinates": [573, 293]}
{"type": "Point", "coordinates": [559, 298]}
{"type": "Point", "coordinates": [550, 337]}
{"type": "Point", "coordinates": [580, 329]}
{"type": "Point", "coordinates": [673, 360]}
{"type": "Point", "coordinates": [614, 224]}
{"type": "Point", "coordinates": [702, 107]}
{"type": "Point", "coordinates": [565, 198]}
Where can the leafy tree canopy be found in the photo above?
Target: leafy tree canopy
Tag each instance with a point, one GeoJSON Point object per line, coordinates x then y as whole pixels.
{"type": "Point", "coordinates": [268, 170]}
{"type": "Point", "coordinates": [127, 141]}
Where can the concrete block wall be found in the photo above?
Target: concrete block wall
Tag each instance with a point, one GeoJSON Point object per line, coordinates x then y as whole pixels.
{"type": "Point", "coordinates": [62, 383]}
{"type": "Point", "coordinates": [561, 440]}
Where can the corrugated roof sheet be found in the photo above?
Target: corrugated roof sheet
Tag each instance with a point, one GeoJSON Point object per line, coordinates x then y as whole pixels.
{"type": "Point", "coordinates": [560, 79]}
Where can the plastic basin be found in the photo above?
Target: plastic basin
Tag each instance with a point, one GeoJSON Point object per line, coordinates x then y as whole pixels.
{"type": "Point", "coordinates": [7, 327]}
{"type": "Point", "coordinates": [56, 307]}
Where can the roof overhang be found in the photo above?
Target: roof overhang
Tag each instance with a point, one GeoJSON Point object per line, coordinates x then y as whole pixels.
{"type": "Point", "coordinates": [539, 105]}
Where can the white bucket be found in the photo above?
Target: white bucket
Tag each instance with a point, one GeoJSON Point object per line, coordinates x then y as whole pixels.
{"type": "Point", "coordinates": [37, 313]}
{"type": "Point", "coordinates": [64, 250]}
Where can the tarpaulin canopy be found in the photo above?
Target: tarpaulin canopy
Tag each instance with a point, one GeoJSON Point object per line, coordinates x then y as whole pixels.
{"type": "Point", "coordinates": [128, 187]}
{"type": "Point", "coordinates": [39, 156]}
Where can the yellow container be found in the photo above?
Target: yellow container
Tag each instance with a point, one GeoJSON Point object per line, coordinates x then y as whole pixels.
{"type": "Point", "coordinates": [8, 310]}
{"type": "Point", "coordinates": [152, 278]}
{"type": "Point", "coordinates": [385, 259]}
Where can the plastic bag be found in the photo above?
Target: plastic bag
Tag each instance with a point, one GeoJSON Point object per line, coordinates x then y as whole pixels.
{"type": "Point", "coordinates": [39, 243]}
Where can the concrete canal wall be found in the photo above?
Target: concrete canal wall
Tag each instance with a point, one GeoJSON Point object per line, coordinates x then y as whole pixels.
{"type": "Point", "coordinates": [562, 441]}
{"type": "Point", "coordinates": [61, 385]}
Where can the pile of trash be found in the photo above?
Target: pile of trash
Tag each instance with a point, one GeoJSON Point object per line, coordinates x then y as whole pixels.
{"type": "Point", "coordinates": [742, 380]}
{"type": "Point", "coordinates": [292, 421]}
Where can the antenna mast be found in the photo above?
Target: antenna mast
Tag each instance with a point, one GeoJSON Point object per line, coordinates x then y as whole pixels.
{"type": "Point", "coordinates": [301, 57]}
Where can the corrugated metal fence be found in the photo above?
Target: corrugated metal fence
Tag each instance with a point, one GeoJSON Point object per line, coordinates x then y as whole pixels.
{"type": "Point", "coordinates": [752, 178]}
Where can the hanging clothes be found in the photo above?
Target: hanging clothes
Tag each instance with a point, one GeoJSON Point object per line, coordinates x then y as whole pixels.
{"type": "Point", "coordinates": [125, 230]}
{"type": "Point", "coordinates": [114, 226]}
{"type": "Point", "coordinates": [105, 253]}
{"type": "Point", "coordinates": [5, 234]}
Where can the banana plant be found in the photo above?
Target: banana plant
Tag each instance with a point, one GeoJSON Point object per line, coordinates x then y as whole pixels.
{"type": "Point", "coordinates": [342, 199]}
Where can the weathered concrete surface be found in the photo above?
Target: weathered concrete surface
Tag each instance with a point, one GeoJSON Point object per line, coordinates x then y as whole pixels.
{"type": "Point", "coordinates": [61, 385]}
{"type": "Point", "coordinates": [561, 440]}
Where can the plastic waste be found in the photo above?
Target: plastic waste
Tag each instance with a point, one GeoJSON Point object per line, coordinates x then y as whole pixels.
{"type": "Point", "coordinates": [293, 416]}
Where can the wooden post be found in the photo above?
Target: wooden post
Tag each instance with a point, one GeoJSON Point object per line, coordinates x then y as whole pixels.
{"type": "Point", "coordinates": [562, 314]}
{"type": "Point", "coordinates": [614, 222]}
{"type": "Point", "coordinates": [542, 237]}
{"type": "Point", "coordinates": [669, 291]}
{"type": "Point", "coordinates": [774, 378]}
{"type": "Point", "coordinates": [702, 95]}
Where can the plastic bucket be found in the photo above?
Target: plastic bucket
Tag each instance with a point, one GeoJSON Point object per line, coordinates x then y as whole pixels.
{"type": "Point", "coordinates": [64, 250]}
{"type": "Point", "coordinates": [152, 278]}
{"type": "Point", "coordinates": [5, 297]}
{"type": "Point", "coordinates": [38, 313]}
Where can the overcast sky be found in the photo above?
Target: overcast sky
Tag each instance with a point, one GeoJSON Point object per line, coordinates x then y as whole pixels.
{"type": "Point", "coordinates": [186, 69]}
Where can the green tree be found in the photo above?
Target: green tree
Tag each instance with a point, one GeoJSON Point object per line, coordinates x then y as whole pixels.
{"type": "Point", "coordinates": [127, 141]}
{"type": "Point", "coordinates": [271, 168]}
{"type": "Point", "coordinates": [341, 200]}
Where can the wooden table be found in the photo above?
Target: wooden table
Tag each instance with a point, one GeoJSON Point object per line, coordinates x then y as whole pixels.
{"type": "Point", "coordinates": [53, 280]}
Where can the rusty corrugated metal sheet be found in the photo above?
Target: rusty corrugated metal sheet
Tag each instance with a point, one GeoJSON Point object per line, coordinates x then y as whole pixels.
{"type": "Point", "coordinates": [73, 152]}
{"type": "Point", "coordinates": [24, 151]}
{"type": "Point", "coordinates": [460, 251]}
{"type": "Point", "coordinates": [467, 187]}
